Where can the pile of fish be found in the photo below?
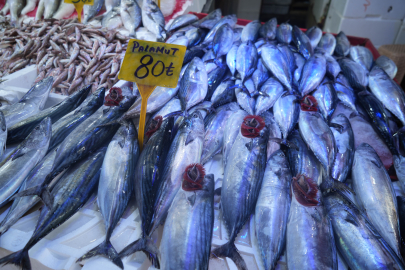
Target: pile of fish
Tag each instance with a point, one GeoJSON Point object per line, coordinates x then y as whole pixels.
{"type": "Point", "coordinates": [282, 107]}
{"type": "Point", "coordinates": [74, 54]}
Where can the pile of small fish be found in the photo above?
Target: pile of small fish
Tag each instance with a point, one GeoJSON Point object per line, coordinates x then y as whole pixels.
{"type": "Point", "coordinates": [280, 105]}
{"type": "Point", "coordinates": [74, 54]}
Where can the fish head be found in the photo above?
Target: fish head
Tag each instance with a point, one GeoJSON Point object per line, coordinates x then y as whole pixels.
{"type": "Point", "coordinates": [252, 126]}
{"type": "Point", "coordinates": [305, 190]}
{"type": "Point", "coordinates": [127, 102]}
{"type": "Point", "coordinates": [114, 97]}
{"type": "Point", "coordinates": [309, 104]}
{"type": "Point", "coordinates": [39, 91]}
{"type": "Point", "coordinates": [365, 154]}
{"type": "Point", "coordinates": [154, 126]}
{"type": "Point", "coordinates": [196, 121]}
{"type": "Point", "coordinates": [193, 177]}
{"type": "Point", "coordinates": [40, 135]}
{"type": "Point", "coordinates": [97, 98]}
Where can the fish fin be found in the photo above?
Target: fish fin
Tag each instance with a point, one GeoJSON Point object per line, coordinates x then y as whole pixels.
{"type": "Point", "coordinates": [145, 245]}
{"type": "Point", "coordinates": [40, 190]}
{"type": "Point", "coordinates": [190, 138]}
{"type": "Point", "coordinates": [351, 219]}
{"type": "Point", "coordinates": [19, 258]}
{"type": "Point", "coordinates": [17, 154]}
{"type": "Point", "coordinates": [209, 61]}
{"type": "Point", "coordinates": [229, 250]}
{"type": "Point", "coordinates": [249, 145]}
{"type": "Point", "coordinates": [339, 128]}
{"type": "Point", "coordinates": [285, 142]}
{"type": "Point", "coordinates": [105, 248]}
{"type": "Point", "coordinates": [330, 183]}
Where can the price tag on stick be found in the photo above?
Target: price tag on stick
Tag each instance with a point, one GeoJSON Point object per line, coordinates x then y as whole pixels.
{"type": "Point", "coordinates": [79, 6]}
{"type": "Point", "coordinates": [150, 64]}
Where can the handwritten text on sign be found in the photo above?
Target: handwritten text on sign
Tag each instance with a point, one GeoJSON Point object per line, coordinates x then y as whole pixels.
{"type": "Point", "coordinates": [152, 63]}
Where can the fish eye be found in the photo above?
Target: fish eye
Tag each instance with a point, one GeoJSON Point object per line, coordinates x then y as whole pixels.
{"type": "Point", "coordinates": [195, 115]}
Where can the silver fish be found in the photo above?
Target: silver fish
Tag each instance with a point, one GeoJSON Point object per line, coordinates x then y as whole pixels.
{"type": "Point", "coordinates": [231, 58]}
{"type": "Point", "coordinates": [355, 73]}
{"type": "Point", "coordinates": [21, 205]}
{"type": "Point", "coordinates": [310, 241]}
{"type": "Point", "coordinates": [211, 19]}
{"type": "Point", "coordinates": [181, 21]}
{"type": "Point", "coordinates": [246, 60]}
{"type": "Point", "coordinates": [251, 31]}
{"type": "Point", "coordinates": [314, 34]}
{"type": "Point", "coordinates": [229, 19]}
{"type": "Point", "coordinates": [272, 209]}
{"type": "Point", "coordinates": [312, 74]}
{"type": "Point", "coordinates": [50, 8]}
{"type": "Point", "coordinates": [244, 100]}
{"type": "Point", "coordinates": [3, 135]}
{"type": "Point", "coordinates": [214, 130]}
{"type": "Point", "coordinates": [260, 75]}
{"type": "Point", "coordinates": [276, 63]}
{"type": "Point", "coordinates": [272, 90]}
{"type": "Point", "coordinates": [15, 167]}
{"type": "Point", "coordinates": [284, 33]}
{"type": "Point", "coordinates": [317, 134]}
{"type": "Point", "coordinates": [268, 29]}
{"type": "Point", "coordinates": [231, 131]}
{"type": "Point", "coordinates": [112, 19]}
{"type": "Point", "coordinates": [327, 98]}
{"type": "Point", "coordinates": [89, 12]}
{"type": "Point", "coordinates": [387, 65]}
{"type": "Point", "coordinates": [222, 41]}
{"type": "Point", "coordinates": [223, 93]}
{"type": "Point", "coordinates": [153, 19]}
{"type": "Point", "coordinates": [15, 9]}
{"type": "Point", "coordinates": [302, 161]}
{"type": "Point", "coordinates": [30, 104]}
{"type": "Point", "coordinates": [375, 194]}
{"type": "Point", "coordinates": [355, 236]}
{"type": "Point", "coordinates": [189, 225]}
{"type": "Point", "coordinates": [342, 44]}
{"type": "Point", "coordinates": [193, 84]}
{"type": "Point", "coordinates": [241, 184]}
{"type": "Point", "coordinates": [327, 43]}
{"type": "Point", "coordinates": [362, 55]}
{"type": "Point", "coordinates": [115, 186]}
{"type": "Point", "coordinates": [286, 113]}
{"type": "Point", "coordinates": [131, 15]}
{"type": "Point", "coordinates": [110, 4]}
{"type": "Point", "coordinates": [185, 149]}
{"type": "Point", "coordinates": [344, 138]}
{"type": "Point", "coordinates": [275, 135]}
{"type": "Point", "coordinates": [345, 92]}
{"type": "Point", "coordinates": [388, 92]}
{"type": "Point", "coordinates": [332, 67]}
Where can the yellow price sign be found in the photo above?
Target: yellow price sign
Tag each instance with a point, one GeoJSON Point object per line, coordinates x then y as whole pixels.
{"type": "Point", "coordinates": [79, 6]}
{"type": "Point", "coordinates": [150, 64]}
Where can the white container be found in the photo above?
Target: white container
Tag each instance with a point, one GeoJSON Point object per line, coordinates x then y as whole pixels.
{"type": "Point", "coordinates": [384, 9]}
{"type": "Point", "coordinates": [379, 31]}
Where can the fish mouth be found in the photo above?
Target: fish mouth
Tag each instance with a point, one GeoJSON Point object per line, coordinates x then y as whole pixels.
{"type": "Point", "coordinates": [114, 97]}
{"type": "Point", "coordinates": [154, 126]}
{"type": "Point", "coordinates": [251, 126]}
{"type": "Point", "coordinates": [305, 190]}
{"type": "Point", "coordinates": [309, 104]}
{"type": "Point", "coordinates": [193, 177]}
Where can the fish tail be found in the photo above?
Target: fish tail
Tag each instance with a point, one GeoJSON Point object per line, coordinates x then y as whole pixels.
{"type": "Point", "coordinates": [105, 248]}
{"type": "Point", "coordinates": [145, 245]}
{"type": "Point", "coordinates": [330, 183]}
{"type": "Point", "coordinates": [19, 258]}
{"type": "Point", "coordinates": [40, 190]}
{"type": "Point", "coordinates": [229, 250]}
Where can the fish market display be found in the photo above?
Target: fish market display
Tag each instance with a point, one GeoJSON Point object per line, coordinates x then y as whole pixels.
{"type": "Point", "coordinates": [293, 135]}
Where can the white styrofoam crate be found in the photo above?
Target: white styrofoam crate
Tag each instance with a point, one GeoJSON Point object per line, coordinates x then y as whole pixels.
{"type": "Point", "coordinates": [384, 9]}
{"type": "Point", "coordinates": [379, 31]}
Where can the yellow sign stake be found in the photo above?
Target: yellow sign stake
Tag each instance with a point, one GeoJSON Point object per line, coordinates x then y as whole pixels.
{"type": "Point", "coordinates": [79, 6]}
{"type": "Point", "coordinates": [151, 64]}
